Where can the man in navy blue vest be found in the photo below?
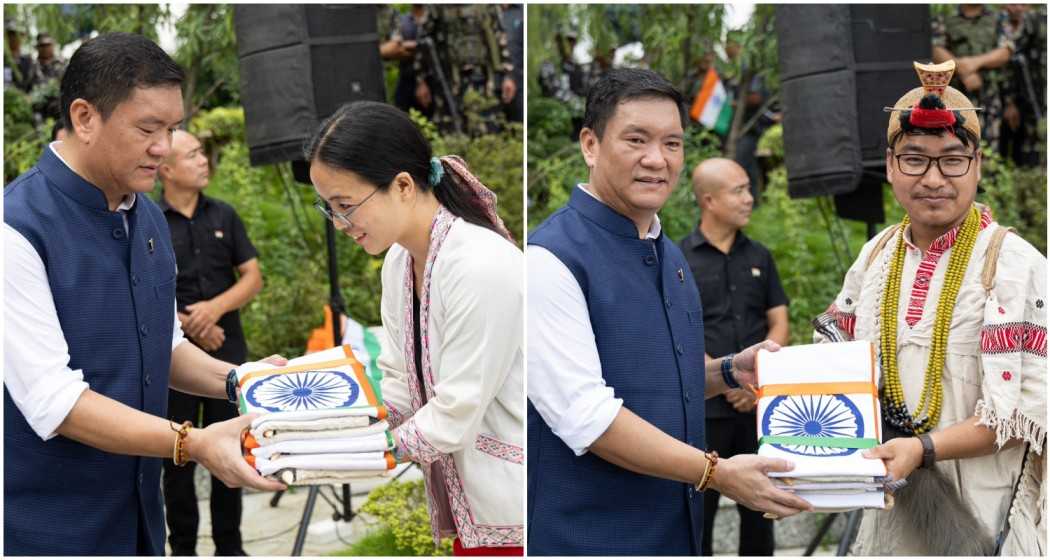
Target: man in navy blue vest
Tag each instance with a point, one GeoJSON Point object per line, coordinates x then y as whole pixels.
{"type": "Point", "coordinates": [617, 376]}
{"type": "Point", "coordinates": [92, 341]}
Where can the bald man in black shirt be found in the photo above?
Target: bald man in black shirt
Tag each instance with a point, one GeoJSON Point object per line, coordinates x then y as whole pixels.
{"type": "Point", "coordinates": [218, 273]}
{"type": "Point", "coordinates": [743, 304]}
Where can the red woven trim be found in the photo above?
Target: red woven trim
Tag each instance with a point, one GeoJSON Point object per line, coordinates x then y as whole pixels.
{"type": "Point", "coordinates": [415, 443]}
{"type": "Point", "coordinates": [1014, 337]}
{"type": "Point", "coordinates": [847, 322]}
{"type": "Point", "coordinates": [394, 416]}
{"type": "Point", "coordinates": [924, 275]}
{"type": "Point", "coordinates": [499, 449]}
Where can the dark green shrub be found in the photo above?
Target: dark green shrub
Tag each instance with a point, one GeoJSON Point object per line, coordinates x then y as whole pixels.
{"type": "Point", "coordinates": [400, 508]}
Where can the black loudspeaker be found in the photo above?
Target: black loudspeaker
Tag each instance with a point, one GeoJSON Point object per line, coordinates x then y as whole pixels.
{"type": "Point", "coordinates": [298, 64]}
{"type": "Point", "coordinates": [839, 66]}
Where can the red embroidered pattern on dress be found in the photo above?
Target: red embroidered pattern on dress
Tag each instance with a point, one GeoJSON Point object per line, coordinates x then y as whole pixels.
{"type": "Point", "coordinates": [924, 275]}
{"type": "Point", "coordinates": [1014, 337]}
{"type": "Point", "coordinates": [847, 322]}
{"type": "Point", "coordinates": [394, 416]}
{"type": "Point", "coordinates": [416, 444]}
{"type": "Point", "coordinates": [470, 533]}
{"type": "Point", "coordinates": [502, 450]}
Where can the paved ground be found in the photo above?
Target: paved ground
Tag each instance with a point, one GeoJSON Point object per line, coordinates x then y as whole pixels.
{"type": "Point", "coordinates": [271, 531]}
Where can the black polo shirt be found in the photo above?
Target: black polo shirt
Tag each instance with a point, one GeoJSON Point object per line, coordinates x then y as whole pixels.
{"type": "Point", "coordinates": [736, 290]}
{"type": "Point", "coordinates": [209, 246]}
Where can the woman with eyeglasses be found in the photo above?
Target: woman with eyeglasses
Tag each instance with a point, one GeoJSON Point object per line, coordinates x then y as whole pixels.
{"type": "Point", "coordinates": [452, 310]}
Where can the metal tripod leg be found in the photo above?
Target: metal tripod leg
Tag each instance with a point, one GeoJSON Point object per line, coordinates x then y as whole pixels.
{"type": "Point", "coordinates": [852, 522]}
{"type": "Point", "coordinates": [311, 500]}
{"type": "Point", "coordinates": [304, 523]}
{"type": "Point", "coordinates": [823, 530]}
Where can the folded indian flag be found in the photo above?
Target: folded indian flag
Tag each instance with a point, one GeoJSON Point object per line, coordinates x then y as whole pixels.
{"type": "Point", "coordinates": [321, 419]}
{"type": "Point", "coordinates": [818, 407]}
{"type": "Point", "coordinates": [320, 381]}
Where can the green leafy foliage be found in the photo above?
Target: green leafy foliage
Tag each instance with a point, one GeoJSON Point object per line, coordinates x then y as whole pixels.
{"type": "Point", "coordinates": [23, 142]}
{"type": "Point", "coordinates": [380, 542]}
{"type": "Point", "coordinates": [495, 159]}
{"type": "Point", "coordinates": [1017, 196]}
{"type": "Point", "coordinates": [207, 51]}
{"type": "Point", "coordinates": [402, 523]}
{"type": "Point", "coordinates": [69, 22]}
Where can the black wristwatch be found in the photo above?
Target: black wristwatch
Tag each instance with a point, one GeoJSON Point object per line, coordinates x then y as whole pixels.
{"type": "Point", "coordinates": [727, 372]}
{"type": "Point", "coordinates": [929, 455]}
{"type": "Point", "coordinates": [231, 386]}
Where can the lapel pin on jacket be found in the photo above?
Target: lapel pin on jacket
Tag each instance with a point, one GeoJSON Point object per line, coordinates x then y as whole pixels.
{"type": "Point", "coordinates": [149, 244]}
{"type": "Point", "coordinates": [681, 276]}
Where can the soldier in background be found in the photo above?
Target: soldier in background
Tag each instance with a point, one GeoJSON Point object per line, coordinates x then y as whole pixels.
{"type": "Point", "coordinates": [50, 65]}
{"type": "Point", "coordinates": [514, 25]}
{"type": "Point", "coordinates": [463, 49]}
{"type": "Point", "coordinates": [18, 68]}
{"type": "Point", "coordinates": [1024, 90]}
{"type": "Point", "coordinates": [565, 80]}
{"type": "Point", "coordinates": [403, 32]}
{"type": "Point", "coordinates": [973, 37]}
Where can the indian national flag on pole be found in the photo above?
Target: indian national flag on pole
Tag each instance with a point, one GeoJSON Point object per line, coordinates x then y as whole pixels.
{"type": "Point", "coordinates": [711, 106]}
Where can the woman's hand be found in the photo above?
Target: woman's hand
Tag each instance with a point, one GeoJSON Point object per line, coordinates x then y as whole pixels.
{"type": "Point", "coordinates": [275, 360]}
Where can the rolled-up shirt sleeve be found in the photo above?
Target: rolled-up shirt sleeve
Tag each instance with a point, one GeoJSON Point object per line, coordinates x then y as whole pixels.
{"type": "Point", "coordinates": [565, 381]}
{"type": "Point", "coordinates": [36, 356]}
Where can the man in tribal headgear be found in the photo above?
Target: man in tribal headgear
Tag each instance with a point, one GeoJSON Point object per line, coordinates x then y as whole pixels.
{"type": "Point", "coordinates": [957, 305]}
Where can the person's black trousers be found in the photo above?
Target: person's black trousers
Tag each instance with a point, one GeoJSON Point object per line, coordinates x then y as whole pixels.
{"type": "Point", "coordinates": [735, 436]}
{"type": "Point", "coordinates": [180, 496]}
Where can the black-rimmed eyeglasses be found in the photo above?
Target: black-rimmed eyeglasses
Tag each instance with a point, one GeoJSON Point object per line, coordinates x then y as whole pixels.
{"type": "Point", "coordinates": [952, 165]}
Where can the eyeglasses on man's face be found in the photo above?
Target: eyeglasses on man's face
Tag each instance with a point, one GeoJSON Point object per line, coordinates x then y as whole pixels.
{"type": "Point", "coordinates": [323, 207]}
{"type": "Point", "coordinates": [951, 165]}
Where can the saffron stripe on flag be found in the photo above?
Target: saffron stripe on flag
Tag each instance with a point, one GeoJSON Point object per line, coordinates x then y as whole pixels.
{"type": "Point", "coordinates": [708, 88]}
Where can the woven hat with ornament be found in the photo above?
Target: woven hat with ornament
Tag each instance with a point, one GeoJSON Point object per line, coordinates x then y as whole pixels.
{"type": "Point", "coordinates": [933, 107]}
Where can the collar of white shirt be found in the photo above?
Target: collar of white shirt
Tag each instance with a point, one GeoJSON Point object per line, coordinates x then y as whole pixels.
{"type": "Point", "coordinates": [654, 228]}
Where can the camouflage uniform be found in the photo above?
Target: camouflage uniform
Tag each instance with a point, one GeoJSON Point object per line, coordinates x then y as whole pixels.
{"type": "Point", "coordinates": [471, 47]}
{"type": "Point", "coordinates": [964, 36]}
{"type": "Point", "coordinates": [563, 82]}
{"type": "Point", "coordinates": [1030, 58]}
{"type": "Point", "coordinates": [51, 69]}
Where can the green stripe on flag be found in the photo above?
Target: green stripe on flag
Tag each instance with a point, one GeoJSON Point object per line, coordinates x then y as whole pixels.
{"type": "Point", "coordinates": [372, 367]}
{"type": "Point", "coordinates": [725, 118]}
{"type": "Point", "coordinates": [842, 442]}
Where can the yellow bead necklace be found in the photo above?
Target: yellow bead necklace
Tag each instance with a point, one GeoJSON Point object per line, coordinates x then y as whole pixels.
{"type": "Point", "coordinates": [928, 415]}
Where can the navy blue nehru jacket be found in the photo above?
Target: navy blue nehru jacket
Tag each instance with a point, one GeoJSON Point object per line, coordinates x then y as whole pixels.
{"type": "Point", "coordinates": [648, 327]}
{"type": "Point", "coordinates": [114, 291]}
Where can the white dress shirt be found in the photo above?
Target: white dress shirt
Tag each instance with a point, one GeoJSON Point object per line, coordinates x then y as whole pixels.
{"type": "Point", "coordinates": [36, 356]}
{"type": "Point", "coordinates": [565, 381]}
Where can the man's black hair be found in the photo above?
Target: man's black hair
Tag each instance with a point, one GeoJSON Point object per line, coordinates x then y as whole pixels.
{"type": "Point", "coordinates": [105, 71]}
{"type": "Point", "coordinates": [932, 101]}
{"type": "Point", "coordinates": [624, 84]}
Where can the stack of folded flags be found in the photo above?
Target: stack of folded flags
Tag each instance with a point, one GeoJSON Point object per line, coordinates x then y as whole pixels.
{"type": "Point", "coordinates": [322, 420]}
{"type": "Point", "coordinates": [818, 407]}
